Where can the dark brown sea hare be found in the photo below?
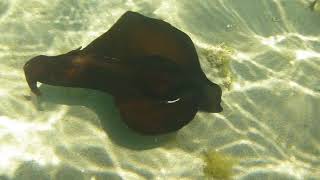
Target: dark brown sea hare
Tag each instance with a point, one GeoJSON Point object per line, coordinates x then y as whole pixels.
{"type": "Point", "coordinates": [150, 68]}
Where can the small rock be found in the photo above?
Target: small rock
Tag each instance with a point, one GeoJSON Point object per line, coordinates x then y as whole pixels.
{"type": "Point", "coordinates": [275, 19]}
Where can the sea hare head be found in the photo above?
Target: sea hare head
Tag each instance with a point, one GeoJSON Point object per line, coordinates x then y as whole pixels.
{"type": "Point", "coordinates": [48, 69]}
{"type": "Point", "coordinates": [34, 69]}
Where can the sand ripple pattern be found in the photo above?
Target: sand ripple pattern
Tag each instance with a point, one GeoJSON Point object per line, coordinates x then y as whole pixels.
{"type": "Point", "coordinates": [271, 94]}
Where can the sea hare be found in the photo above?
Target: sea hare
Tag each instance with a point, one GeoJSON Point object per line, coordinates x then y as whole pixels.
{"type": "Point", "coordinates": [150, 68]}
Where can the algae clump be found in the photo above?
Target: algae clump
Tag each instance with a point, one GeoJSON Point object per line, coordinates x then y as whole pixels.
{"type": "Point", "coordinates": [315, 6]}
{"type": "Point", "coordinates": [218, 165]}
{"type": "Point", "coordinates": [219, 57]}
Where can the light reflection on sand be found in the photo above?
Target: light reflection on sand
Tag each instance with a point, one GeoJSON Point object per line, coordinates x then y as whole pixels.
{"type": "Point", "coordinates": [270, 119]}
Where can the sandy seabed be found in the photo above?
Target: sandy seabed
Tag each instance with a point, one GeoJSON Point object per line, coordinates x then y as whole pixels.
{"type": "Point", "coordinates": [265, 54]}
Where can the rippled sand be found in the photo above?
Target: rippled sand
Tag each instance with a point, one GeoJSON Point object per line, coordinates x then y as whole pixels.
{"type": "Point", "coordinates": [265, 54]}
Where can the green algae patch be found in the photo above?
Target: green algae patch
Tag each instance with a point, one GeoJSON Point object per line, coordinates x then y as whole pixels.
{"type": "Point", "coordinates": [218, 165]}
{"type": "Point", "coordinates": [315, 6]}
{"type": "Point", "coordinates": [219, 58]}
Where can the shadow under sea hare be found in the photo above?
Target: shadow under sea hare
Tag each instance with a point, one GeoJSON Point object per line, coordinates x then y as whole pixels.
{"type": "Point", "coordinates": [150, 68]}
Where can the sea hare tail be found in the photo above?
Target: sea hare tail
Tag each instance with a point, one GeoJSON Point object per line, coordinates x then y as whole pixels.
{"type": "Point", "coordinates": [210, 97]}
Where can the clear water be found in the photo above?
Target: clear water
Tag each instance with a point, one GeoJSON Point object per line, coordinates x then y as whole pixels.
{"type": "Point", "coordinates": [268, 54]}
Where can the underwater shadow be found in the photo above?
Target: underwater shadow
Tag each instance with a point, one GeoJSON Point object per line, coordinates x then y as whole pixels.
{"type": "Point", "coordinates": [102, 104]}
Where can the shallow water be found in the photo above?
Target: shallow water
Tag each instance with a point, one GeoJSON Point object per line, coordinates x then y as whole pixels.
{"type": "Point", "coordinates": [265, 54]}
